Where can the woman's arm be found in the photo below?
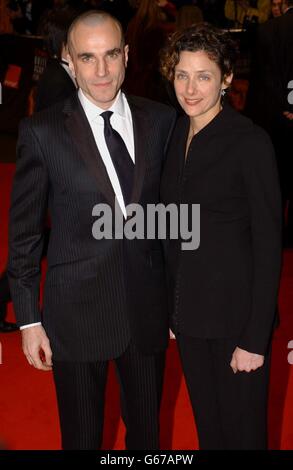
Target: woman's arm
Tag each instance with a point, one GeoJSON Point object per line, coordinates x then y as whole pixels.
{"type": "Point", "coordinates": [262, 185]}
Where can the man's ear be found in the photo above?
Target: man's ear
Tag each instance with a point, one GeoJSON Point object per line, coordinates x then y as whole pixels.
{"type": "Point", "coordinates": [70, 64]}
{"type": "Point", "coordinates": [126, 51]}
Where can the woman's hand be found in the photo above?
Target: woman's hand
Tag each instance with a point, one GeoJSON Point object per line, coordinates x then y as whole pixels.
{"type": "Point", "coordinates": [244, 361]}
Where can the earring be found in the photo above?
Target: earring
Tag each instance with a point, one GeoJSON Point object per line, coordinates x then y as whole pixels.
{"type": "Point", "coordinates": [223, 92]}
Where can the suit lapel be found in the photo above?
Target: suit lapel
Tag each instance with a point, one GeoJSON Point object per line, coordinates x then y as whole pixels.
{"type": "Point", "coordinates": [81, 133]}
{"type": "Point", "coordinates": [141, 131]}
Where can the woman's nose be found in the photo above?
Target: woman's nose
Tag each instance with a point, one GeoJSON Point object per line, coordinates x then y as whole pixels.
{"type": "Point", "coordinates": [191, 87]}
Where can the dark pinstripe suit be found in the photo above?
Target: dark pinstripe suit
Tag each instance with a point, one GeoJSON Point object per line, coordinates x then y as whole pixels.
{"type": "Point", "coordinates": [100, 296]}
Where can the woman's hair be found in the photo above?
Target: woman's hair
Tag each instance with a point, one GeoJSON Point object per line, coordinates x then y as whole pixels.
{"type": "Point", "coordinates": [216, 43]}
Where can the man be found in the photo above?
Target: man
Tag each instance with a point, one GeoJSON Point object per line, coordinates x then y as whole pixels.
{"type": "Point", "coordinates": [269, 100]}
{"type": "Point", "coordinates": [276, 8]}
{"type": "Point", "coordinates": [104, 299]}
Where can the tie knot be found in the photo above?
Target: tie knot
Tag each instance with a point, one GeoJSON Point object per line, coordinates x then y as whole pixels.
{"type": "Point", "coordinates": [106, 116]}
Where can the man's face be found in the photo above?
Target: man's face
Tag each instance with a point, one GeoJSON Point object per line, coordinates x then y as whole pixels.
{"type": "Point", "coordinates": [98, 60]}
{"type": "Point", "coordinates": [277, 8]}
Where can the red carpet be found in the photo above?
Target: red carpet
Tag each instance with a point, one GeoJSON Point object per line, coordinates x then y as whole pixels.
{"type": "Point", "coordinates": [28, 413]}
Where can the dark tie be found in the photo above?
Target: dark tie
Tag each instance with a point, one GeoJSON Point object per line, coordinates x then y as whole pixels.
{"type": "Point", "coordinates": [121, 159]}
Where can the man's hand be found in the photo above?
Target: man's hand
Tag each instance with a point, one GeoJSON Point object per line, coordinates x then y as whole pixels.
{"type": "Point", "coordinates": [245, 361]}
{"type": "Point", "coordinates": [36, 347]}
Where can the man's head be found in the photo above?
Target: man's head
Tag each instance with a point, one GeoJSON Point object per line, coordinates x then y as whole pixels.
{"type": "Point", "coordinates": [276, 8]}
{"type": "Point", "coordinates": [97, 56]}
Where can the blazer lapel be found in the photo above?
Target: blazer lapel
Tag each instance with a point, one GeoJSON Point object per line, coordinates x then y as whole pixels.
{"type": "Point", "coordinates": [81, 133]}
{"type": "Point", "coordinates": [141, 131]}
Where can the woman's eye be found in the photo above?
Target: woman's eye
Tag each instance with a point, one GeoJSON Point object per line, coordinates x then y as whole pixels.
{"type": "Point", "coordinates": [180, 76]}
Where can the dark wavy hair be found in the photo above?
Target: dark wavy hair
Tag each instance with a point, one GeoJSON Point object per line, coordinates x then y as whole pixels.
{"type": "Point", "coordinates": [218, 45]}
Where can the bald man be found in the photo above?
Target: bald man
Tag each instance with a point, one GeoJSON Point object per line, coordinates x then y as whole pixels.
{"type": "Point", "coordinates": [104, 299]}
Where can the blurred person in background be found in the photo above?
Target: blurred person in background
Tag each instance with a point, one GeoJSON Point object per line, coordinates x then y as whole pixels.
{"type": "Point", "coordinates": [5, 18]}
{"type": "Point", "coordinates": [5, 298]}
{"type": "Point", "coordinates": [276, 8]}
{"type": "Point", "coordinates": [269, 102]}
{"type": "Point", "coordinates": [146, 35]}
{"type": "Point", "coordinates": [243, 13]}
{"type": "Point", "coordinates": [188, 15]}
{"type": "Point", "coordinates": [57, 82]}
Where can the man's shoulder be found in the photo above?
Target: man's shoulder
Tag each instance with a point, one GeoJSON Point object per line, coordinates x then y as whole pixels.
{"type": "Point", "coordinates": [283, 23]}
{"type": "Point", "coordinates": [53, 115]}
{"type": "Point", "coordinates": [154, 107]}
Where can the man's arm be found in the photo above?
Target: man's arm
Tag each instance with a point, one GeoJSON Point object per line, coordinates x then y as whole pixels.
{"type": "Point", "coordinates": [26, 237]}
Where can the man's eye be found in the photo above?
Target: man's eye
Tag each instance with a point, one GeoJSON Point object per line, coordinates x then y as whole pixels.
{"type": "Point", "coordinates": [87, 59]}
{"type": "Point", "coordinates": [113, 55]}
{"type": "Point", "coordinates": [204, 77]}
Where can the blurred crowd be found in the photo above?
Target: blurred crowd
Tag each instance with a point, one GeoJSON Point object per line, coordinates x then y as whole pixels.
{"type": "Point", "coordinates": [23, 16]}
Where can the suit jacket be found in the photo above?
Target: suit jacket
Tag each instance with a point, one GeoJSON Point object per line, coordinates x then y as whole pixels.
{"type": "Point", "coordinates": [228, 286]}
{"type": "Point", "coordinates": [98, 293]}
{"type": "Point", "coordinates": [54, 85]}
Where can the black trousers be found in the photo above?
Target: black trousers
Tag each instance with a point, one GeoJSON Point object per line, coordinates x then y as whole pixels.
{"type": "Point", "coordinates": [80, 391]}
{"type": "Point", "coordinates": [230, 409]}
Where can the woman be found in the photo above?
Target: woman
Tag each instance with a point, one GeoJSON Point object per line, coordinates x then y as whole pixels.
{"type": "Point", "coordinates": [225, 292]}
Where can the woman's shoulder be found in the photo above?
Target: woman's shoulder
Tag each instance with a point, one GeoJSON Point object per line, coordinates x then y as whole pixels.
{"type": "Point", "coordinates": [242, 127]}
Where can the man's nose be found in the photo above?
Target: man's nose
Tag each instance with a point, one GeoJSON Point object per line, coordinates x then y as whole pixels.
{"type": "Point", "coordinates": [101, 68]}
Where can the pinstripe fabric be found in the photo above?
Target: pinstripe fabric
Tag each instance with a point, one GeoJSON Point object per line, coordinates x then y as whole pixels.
{"type": "Point", "coordinates": [80, 391]}
{"type": "Point", "coordinates": [98, 294]}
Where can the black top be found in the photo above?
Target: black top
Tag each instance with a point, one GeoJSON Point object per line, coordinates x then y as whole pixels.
{"type": "Point", "coordinates": [228, 286]}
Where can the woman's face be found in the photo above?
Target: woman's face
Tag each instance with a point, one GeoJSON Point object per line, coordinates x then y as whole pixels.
{"type": "Point", "coordinates": [198, 85]}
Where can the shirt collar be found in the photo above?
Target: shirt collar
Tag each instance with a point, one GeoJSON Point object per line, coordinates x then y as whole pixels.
{"type": "Point", "coordinates": [92, 111]}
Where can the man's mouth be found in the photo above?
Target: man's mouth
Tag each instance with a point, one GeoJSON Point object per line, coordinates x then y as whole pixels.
{"type": "Point", "coordinates": [101, 85]}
